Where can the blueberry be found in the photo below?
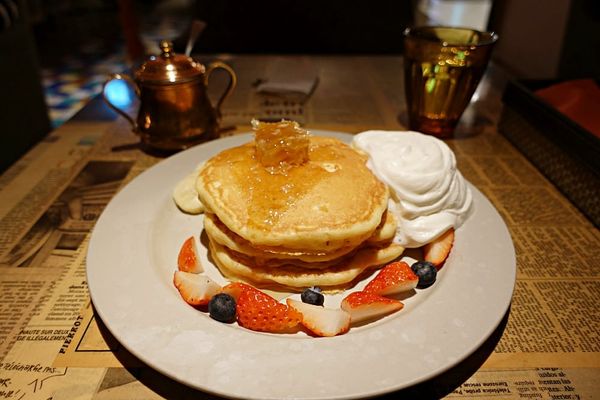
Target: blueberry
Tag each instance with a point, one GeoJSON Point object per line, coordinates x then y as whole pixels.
{"type": "Point", "coordinates": [313, 295]}
{"type": "Point", "coordinates": [426, 273]}
{"type": "Point", "coordinates": [222, 307]}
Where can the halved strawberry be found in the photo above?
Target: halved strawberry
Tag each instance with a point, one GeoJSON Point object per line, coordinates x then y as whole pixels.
{"type": "Point", "coordinates": [437, 251]}
{"type": "Point", "coordinates": [394, 278]}
{"type": "Point", "coordinates": [196, 290]}
{"type": "Point", "coordinates": [258, 311]}
{"type": "Point", "coordinates": [235, 289]}
{"type": "Point", "coordinates": [363, 306]}
{"type": "Point", "coordinates": [321, 321]}
{"type": "Point", "coordinates": [188, 260]}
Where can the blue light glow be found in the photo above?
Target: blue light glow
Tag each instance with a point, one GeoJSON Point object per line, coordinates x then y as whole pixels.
{"type": "Point", "coordinates": [118, 93]}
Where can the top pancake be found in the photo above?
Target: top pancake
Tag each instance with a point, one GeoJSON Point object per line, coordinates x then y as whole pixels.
{"type": "Point", "coordinates": [331, 201]}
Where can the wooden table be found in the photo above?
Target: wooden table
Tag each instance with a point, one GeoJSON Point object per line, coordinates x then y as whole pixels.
{"type": "Point", "coordinates": [51, 346]}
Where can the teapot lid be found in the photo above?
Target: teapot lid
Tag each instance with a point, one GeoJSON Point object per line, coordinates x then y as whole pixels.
{"type": "Point", "coordinates": [169, 67]}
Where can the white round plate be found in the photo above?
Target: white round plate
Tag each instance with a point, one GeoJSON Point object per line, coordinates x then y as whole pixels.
{"type": "Point", "coordinates": [133, 254]}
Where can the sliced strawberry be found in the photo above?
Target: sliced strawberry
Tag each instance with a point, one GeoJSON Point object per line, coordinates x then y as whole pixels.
{"type": "Point", "coordinates": [394, 278]}
{"type": "Point", "coordinates": [363, 306]}
{"type": "Point", "coordinates": [321, 321]}
{"type": "Point", "coordinates": [235, 289]}
{"type": "Point", "coordinates": [188, 260]}
{"type": "Point", "coordinates": [196, 290]}
{"type": "Point", "coordinates": [258, 311]}
{"type": "Point", "coordinates": [437, 251]}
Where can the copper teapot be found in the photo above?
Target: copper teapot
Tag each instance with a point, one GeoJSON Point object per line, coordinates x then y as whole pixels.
{"type": "Point", "coordinates": [175, 111]}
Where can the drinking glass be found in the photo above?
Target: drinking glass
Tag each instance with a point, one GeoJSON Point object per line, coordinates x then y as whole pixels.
{"type": "Point", "coordinates": [442, 68]}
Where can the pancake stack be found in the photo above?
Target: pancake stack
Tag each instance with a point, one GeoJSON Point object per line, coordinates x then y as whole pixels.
{"type": "Point", "coordinates": [290, 211]}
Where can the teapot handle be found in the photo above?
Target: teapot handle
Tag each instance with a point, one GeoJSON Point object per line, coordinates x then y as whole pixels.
{"type": "Point", "coordinates": [232, 82]}
{"type": "Point", "coordinates": [127, 79]}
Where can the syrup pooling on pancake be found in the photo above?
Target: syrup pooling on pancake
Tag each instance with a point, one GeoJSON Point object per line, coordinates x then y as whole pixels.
{"type": "Point", "coordinates": [280, 145]}
{"type": "Point", "coordinates": [331, 201]}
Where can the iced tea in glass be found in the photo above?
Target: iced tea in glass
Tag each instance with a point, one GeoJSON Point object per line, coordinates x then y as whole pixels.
{"type": "Point", "coordinates": [442, 68]}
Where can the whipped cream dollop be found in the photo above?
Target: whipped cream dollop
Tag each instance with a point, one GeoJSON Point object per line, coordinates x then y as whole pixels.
{"type": "Point", "coordinates": [428, 195]}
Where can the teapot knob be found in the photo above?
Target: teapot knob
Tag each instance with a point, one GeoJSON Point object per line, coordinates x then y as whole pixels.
{"type": "Point", "coordinates": [166, 47]}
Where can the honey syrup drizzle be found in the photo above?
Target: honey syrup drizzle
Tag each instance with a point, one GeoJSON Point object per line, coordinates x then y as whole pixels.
{"type": "Point", "coordinates": [271, 195]}
{"type": "Point", "coordinates": [280, 145]}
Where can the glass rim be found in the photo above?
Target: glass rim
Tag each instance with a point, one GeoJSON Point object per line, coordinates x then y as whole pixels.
{"type": "Point", "coordinates": [488, 38]}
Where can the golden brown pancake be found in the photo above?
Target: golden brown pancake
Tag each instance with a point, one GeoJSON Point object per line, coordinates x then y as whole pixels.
{"type": "Point", "coordinates": [296, 278]}
{"type": "Point", "coordinates": [386, 230]}
{"type": "Point", "coordinates": [291, 211]}
{"type": "Point", "coordinates": [218, 232]}
{"type": "Point", "coordinates": [329, 203]}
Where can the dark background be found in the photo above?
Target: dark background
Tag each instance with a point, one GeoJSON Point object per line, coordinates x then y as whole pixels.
{"type": "Point", "coordinates": [559, 40]}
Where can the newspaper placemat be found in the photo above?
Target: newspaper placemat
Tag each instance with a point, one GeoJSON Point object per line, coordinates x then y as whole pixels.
{"type": "Point", "coordinates": [52, 345]}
